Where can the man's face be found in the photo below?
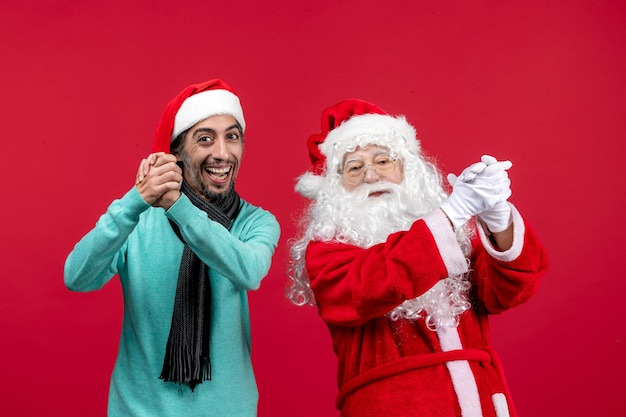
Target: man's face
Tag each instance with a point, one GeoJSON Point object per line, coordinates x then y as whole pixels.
{"type": "Point", "coordinates": [212, 154]}
{"type": "Point", "coordinates": [368, 166]}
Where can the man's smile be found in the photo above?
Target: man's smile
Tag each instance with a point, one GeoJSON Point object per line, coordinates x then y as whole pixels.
{"type": "Point", "coordinates": [218, 174]}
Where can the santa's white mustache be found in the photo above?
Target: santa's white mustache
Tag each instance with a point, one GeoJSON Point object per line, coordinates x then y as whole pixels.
{"type": "Point", "coordinates": [365, 190]}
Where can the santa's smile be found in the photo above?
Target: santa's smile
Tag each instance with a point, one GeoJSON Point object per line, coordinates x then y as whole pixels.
{"type": "Point", "coordinates": [376, 193]}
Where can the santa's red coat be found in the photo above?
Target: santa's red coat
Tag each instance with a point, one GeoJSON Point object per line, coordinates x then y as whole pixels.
{"type": "Point", "coordinates": [401, 368]}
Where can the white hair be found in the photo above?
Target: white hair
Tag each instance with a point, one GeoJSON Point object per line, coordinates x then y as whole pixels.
{"type": "Point", "coordinates": [342, 216]}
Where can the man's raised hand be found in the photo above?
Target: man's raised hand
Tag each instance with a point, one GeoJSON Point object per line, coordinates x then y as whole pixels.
{"type": "Point", "coordinates": [158, 180]}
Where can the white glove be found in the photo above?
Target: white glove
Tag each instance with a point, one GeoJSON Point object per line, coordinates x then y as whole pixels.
{"type": "Point", "coordinates": [497, 219]}
{"type": "Point", "coordinates": [480, 187]}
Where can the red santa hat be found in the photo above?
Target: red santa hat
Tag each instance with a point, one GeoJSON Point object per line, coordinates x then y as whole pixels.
{"type": "Point", "coordinates": [346, 126]}
{"type": "Point", "coordinates": [194, 104]}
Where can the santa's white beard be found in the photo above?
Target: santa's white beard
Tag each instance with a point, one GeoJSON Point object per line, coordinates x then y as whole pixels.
{"type": "Point", "coordinates": [357, 219]}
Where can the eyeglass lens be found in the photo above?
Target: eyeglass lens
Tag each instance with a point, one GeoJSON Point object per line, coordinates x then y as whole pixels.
{"type": "Point", "coordinates": [382, 165]}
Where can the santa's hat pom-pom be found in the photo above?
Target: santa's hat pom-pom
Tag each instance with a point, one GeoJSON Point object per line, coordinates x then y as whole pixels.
{"type": "Point", "coordinates": [309, 185]}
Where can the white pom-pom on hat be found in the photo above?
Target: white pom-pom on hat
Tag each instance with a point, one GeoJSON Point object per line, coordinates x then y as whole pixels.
{"type": "Point", "coordinates": [309, 185]}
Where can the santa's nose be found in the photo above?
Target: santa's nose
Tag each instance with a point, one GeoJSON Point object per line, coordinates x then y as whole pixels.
{"type": "Point", "coordinates": [370, 175]}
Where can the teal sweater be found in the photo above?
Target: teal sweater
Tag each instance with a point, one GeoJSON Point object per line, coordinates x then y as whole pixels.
{"type": "Point", "coordinates": [136, 242]}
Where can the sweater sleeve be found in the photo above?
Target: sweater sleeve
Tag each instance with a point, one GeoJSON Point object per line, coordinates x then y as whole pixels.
{"type": "Point", "coordinates": [94, 259]}
{"type": "Point", "coordinates": [507, 279]}
{"type": "Point", "coordinates": [353, 285]}
{"type": "Point", "coordinates": [244, 256]}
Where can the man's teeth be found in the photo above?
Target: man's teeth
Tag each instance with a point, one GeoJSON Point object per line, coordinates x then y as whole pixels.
{"type": "Point", "coordinates": [218, 171]}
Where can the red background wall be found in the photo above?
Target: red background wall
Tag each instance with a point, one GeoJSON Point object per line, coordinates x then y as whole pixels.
{"type": "Point", "coordinates": [82, 85]}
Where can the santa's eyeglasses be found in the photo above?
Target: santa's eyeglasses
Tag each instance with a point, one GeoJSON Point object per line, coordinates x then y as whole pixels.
{"type": "Point", "coordinates": [382, 165]}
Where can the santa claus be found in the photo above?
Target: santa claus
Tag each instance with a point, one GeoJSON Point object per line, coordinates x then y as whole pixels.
{"type": "Point", "coordinates": [404, 273]}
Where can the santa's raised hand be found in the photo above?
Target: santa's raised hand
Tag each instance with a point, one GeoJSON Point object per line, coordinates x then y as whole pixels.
{"type": "Point", "coordinates": [481, 187]}
{"type": "Point", "coordinates": [498, 218]}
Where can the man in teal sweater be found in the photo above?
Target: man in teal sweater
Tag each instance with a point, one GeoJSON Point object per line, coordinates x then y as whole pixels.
{"type": "Point", "coordinates": [186, 249]}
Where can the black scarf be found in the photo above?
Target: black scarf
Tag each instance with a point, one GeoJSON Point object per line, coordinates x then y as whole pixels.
{"type": "Point", "coordinates": [187, 358]}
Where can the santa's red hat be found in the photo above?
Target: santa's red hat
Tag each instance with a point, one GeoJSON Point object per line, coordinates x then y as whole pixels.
{"type": "Point", "coordinates": [346, 126]}
{"type": "Point", "coordinates": [194, 104]}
